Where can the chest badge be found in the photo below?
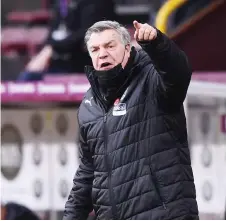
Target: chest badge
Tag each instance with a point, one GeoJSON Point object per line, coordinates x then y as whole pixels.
{"type": "Point", "coordinates": [119, 108]}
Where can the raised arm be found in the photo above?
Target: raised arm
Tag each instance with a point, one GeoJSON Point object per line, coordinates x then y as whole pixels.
{"type": "Point", "coordinates": [173, 70]}
{"type": "Point", "coordinates": [79, 203]}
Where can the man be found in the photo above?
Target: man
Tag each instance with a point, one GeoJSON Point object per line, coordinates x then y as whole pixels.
{"type": "Point", "coordinates": [135, 161]}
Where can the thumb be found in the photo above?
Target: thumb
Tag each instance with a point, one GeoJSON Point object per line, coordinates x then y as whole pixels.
{"type": "Point", "coordinates": [136, 24]}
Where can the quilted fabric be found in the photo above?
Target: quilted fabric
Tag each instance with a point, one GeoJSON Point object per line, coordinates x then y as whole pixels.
{"type": "Point", "coordinates": [136, 165]}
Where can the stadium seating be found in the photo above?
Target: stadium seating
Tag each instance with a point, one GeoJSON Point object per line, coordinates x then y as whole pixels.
{"type": "Point", "coordinates": [13, 38]}
{"type": "Point", "coordinates": [40, 16]}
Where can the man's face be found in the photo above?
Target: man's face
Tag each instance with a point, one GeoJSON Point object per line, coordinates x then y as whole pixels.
{"type": "Point", "coordinates": [107, 50]}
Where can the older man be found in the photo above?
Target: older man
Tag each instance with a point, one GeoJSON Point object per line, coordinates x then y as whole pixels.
{"type": "Point", "coordinates": [135, 161]}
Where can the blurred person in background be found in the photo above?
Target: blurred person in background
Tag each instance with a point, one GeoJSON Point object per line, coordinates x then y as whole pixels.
{"type": "Point", "coordinates": [15, 211]}
{"type": "Point", "coordinates": [64, 50]}
{"type": "Point", "coordinates": [135, 160]}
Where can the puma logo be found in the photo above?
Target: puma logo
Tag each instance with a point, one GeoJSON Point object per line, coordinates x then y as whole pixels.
{"type": "Point", "coordinates": [89, 101]}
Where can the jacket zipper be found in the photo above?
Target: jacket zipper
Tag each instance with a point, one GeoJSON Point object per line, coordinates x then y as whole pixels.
{"type": "Point", "coordinates": [154, 181]}
{"type": "Point", "coordinates": [109, 169]}
{"type": "Point", "coordinates": [107, 162]}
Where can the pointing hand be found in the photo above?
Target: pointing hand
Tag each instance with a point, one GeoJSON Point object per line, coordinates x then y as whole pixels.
{"type": "Point", "coordinates": [144, 32]}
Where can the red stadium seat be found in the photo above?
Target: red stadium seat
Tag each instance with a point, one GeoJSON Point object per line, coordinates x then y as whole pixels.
{"type": "Point", "coordinates": [30, 17]}
{"type": "Point", "coordinates": [41, 15]}
{"type": "Point", "coordinates": [19, 16]}
{"type": "Point", "coordinates": [13, 38]}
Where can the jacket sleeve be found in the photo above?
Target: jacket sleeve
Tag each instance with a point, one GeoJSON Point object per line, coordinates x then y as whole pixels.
{"type": "Point", "coordinates": [173, 74]}
{"type": "Point", "coordinates": [79, 203]}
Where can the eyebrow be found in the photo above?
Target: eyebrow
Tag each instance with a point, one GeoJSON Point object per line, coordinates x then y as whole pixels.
{"type": "Point", "coordinates": [105, 44]}
{"type": "Point", "coordinates": [109, 42]}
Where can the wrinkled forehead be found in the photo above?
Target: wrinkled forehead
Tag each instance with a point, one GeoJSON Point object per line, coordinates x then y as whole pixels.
{"type": "Point", "coordinates": [104, 37]}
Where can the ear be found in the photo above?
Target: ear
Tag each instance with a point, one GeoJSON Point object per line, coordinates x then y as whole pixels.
{"type": "Point", "coordinates": [128, 47]}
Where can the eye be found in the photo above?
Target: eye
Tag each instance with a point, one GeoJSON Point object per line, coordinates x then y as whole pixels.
{"type": "Point", "coordinates": [93, 50]}
{"type": "Point", "coordinates": [111, 46]}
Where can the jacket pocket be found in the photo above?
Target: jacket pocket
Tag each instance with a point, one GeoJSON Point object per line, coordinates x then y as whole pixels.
{"type": "Point", "coordinates": [156, 187]}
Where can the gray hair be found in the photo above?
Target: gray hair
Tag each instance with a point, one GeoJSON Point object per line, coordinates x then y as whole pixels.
{"type": "Point", "coordinates": [106, 25]}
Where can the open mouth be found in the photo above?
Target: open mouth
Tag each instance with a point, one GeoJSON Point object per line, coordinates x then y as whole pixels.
{"type": "Point", "coordinates": [105, 64]}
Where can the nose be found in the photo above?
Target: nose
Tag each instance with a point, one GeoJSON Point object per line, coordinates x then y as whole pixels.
{"type": "Point", "coordinates": [103, 53]}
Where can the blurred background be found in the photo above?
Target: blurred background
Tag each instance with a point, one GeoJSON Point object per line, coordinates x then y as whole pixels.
{"type": "Point", "coordinates": [42, 85]}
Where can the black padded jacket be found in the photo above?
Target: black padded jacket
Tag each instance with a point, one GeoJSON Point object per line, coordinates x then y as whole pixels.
{"type": "Point", "coordinates": [135, 160]}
